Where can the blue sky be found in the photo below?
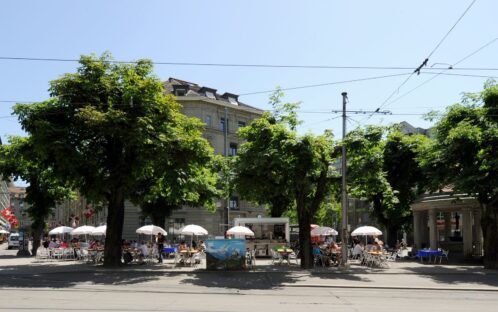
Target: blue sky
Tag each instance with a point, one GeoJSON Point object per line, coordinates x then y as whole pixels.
{"type": "Point", "coordinates": [340, 33]}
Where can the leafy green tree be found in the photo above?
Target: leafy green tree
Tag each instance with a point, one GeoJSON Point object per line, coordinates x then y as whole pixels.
{"type": "Point", "coordinates": [44, 192]}
{"type": "Point", "coordinates": [405, 177]}
{"type": "Point", "coordinates": [277, 163]}
{"type": "Point", "coordinates": [385, 171]}
{"type": "Point", "coordinates": [190, 180]}
{"type": "Point", "coordinates": [101, 129]}
{"type": "Point", "coordinates": [464, 156]}
{"type": "Point", "coordinates": [366, 176]}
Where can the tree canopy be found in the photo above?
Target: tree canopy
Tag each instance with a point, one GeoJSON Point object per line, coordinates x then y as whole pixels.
{"type": "Point", "coordinates": [19, 161]}
{"type": "Point", "coordinates": [280, 168]}
{"type": "Point", "coordinates": [464, 156]}
{"type": "Point", "coordinates": [102, 128]}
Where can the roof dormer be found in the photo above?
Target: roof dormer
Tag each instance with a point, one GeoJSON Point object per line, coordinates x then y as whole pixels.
{"type": "Point", "coordinates": [180, 89]}
{"type": "Point", "coordinates": [208, 92]}
{"type": "Point", "coordinates": [232, 98]}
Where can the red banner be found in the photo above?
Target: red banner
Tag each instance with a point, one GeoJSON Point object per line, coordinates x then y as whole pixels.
{"type": "Point", "coordinates": [8, 213]}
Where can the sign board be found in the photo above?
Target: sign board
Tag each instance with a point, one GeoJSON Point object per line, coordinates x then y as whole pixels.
{"type": "Point", "coordinates": [225, 254]}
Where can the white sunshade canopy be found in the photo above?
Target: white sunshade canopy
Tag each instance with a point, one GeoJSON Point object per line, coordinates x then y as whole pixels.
{"type": "Point", "coordinates": [2, 231]}
{"type": "Point", "coordinates": [100, 230]}
{"type": "Point", "coordinates": [151, 230]}
{"type": "Point", "coordinates": [366, 230]}
{"type": "Point", "coordinates": [83, 230]}
{"type": "Point", "coordinates": [61, 230]}
{"type": "Point", "coordinates": [193, 229]}
{"type": "Point", "coordinates": [240, 230]}
{"type": "Point", "coordinates": [323, 231]}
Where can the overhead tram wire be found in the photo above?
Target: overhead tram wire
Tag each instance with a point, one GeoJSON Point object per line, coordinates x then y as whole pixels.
{"type": "Point", "coordinates": [425, 62]}
{"type": "Point", "coordinates": [451, 29]}
{"type": "Point", "coordinates": [325, 84]}
{"type": "Point", "coordinates": [40, 59]}
{"type": "Point", "coordinates": [444, 71]}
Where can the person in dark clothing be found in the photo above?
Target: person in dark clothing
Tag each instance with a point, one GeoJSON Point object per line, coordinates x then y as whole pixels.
{"type": "Point", "coordinates": [160, 246]}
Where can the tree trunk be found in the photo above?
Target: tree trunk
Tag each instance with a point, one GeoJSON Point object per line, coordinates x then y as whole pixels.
{"type": "Point", "coordinates": [158, 219]}
{"type": "Point", "coordinates": [114, 234]}
{"type": "Point", "coordinates": [392, 232]}
{"type": "Point", "coordinates": [306, 252]}
{"type": "Point", "coordinates": [37, 234]}
{"type": "Point", "coordinates": [489, 224]}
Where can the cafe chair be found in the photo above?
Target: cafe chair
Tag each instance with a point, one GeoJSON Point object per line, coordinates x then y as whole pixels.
{"type": "Point", "coordinates": [392, 257]}
{"type": "Point", "coordinates": [42, 253]}
{"type": "Point", "coordinates": [444, 254]}
{"type": "Point", "coordinates": [294, 256]}
{"type": "Point", "coordinates": [276, 257]}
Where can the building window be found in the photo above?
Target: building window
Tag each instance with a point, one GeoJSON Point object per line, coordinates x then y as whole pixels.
{"type": "Point", "coordinates": [241, 124]}
{"type": "Point", "coordinates": [234, 203]}
{"type": "Point", "coordinates": [208, 121]}
{"type": "Point", "coordinates": [180, 92]}
{"type": "Point", "coordinates": [210, 95]}
{"type": "Point", "coordinates": [222, 124]}
{"type": "Point", "coordinates": [232, 100]}
{"type": "Point", "coordinates": [233, 149]}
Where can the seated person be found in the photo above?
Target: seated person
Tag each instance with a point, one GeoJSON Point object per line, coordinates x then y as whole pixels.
{"type": "Point", "coordinates": [334, 248]}
{"type": "Point", "coordinates": [45, 243]}
{"type": "Point", "coordinates": [64, 244]}
{"type": "Point", "coordinates": [358, 249]}
{"type": "Point", "coordinates": [95, 244]}
{"type": "Point", "coordinates": [202, 245]}
{"type": "Point", "coordinates": [183, 246]}
{"type": "Point", "coordinates": [53, 244]}
{"type": "Point", "coordinates": [143, 252]}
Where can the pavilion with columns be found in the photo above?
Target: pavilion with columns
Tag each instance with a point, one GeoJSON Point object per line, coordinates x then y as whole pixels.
{"type": "Point", "coordinates": [448, 221]}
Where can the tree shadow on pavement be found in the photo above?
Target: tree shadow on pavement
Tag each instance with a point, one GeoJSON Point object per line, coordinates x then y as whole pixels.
{"type": "Point", "coordinates": [52, 275]}
{"type": "Point", "coordinates": [458, 274]}
{"type": "Point", "coordinates": [240, 279]}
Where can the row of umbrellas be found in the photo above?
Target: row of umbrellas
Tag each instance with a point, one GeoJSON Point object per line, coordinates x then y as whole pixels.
{"type": "Point", "coordinates": [198, 230]}
{"type": "Point", "coordinates": [361, 231]}
{"type": "Point", "coordinates": [190, 229]}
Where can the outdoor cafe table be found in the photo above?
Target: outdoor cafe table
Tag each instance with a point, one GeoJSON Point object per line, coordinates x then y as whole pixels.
{"type": "Point", "coordinates": [429, 253]}
{"type": "Point", "coordinates": [169, 251]}
{"type": "Point", "coordinates": [284, 252]}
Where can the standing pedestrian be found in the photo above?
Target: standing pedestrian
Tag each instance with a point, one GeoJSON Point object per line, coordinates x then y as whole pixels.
{"type": "Point", "coordinates": [160, 246]}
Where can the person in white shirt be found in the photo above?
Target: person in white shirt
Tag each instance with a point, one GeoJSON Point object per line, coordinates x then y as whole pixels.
{"type": "Point", "coordinates": [358, 249]}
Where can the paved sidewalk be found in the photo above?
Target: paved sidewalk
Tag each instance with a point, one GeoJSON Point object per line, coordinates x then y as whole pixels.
{"type": "Point", "coordinates": [400, 275]}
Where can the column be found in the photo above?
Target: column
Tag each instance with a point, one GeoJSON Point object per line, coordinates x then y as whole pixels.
{"type": "Point", "coordinates": [417, 229]}
{"type": "Point", "coordinates": [447, 226]}
{"type": "Point", "coordinates": [433, 240]}
{"type": "Point", "coordinates": [478, 230]}
{"type": "Point", "coordinates": [467, 232]}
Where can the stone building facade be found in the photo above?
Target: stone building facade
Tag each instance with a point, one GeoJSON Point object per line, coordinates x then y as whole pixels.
{"type": "Point", "coordinates": [215, 110]}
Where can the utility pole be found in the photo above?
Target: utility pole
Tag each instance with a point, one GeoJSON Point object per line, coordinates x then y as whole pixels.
{"type": "Point", "coordinates": [344, 195]}
{"type": "Point", "coordinates": [225, 152]}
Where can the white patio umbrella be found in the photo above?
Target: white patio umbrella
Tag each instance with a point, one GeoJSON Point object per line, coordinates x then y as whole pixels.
{"type": "Point", "coordinates": [323, 231]}
{"type": "Point", "coordinates": [151, 230]}
{"type": "Point", "coordinates": [192, 230]}
{"type": "Point", "coordinates": [100, 230]}
{"type": "Point", "coordinates": [60, 230]}
{"type": "Point", "coordinates": [2, 231]}
{"type": "Point", "coordinates": [83, 230]}
{"type": "Point", "coordinates": [366, 230]}
{"type": "Point", "coordinates": [240, 230]}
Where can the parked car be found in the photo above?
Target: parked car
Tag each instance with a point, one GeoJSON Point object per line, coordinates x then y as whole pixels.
{"type": "Point", "coordinates": [13, 241]}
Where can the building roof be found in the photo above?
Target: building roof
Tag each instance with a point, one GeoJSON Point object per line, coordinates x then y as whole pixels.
{"type": "Point", "coordinates": [407, 128]}
{"type": "Point", "coordinates": [194, 90]}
